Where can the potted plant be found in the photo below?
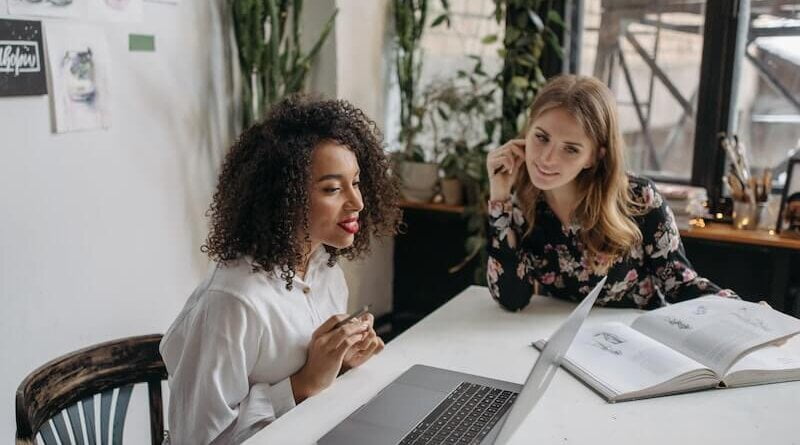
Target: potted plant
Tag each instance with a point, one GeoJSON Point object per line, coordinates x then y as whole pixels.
{"type": "Point", "coordinates": [272, 63]}
{"type": "Point", "coordinates": [418, 175]}
{"type": "Point", "coordinates": [459, 128]}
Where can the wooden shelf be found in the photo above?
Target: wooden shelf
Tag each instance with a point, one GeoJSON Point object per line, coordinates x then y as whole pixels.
{"type": "Point", "coordinates": [726, 233]}
{"type": "Point", "coordinates": [431, 206]}
{"type": "Point", "coordinates": [712, 231]}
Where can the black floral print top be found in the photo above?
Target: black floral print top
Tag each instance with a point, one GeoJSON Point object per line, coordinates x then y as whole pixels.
{"type": "Point", "coordinates": [655, 271]}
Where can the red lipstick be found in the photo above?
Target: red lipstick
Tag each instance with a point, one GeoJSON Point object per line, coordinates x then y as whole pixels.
{"type": "Point", "coordinates": [349, 225]}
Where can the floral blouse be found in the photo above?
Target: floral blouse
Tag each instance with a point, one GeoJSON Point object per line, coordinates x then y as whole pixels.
{"type": "Point", "coordinates": [552, 254]}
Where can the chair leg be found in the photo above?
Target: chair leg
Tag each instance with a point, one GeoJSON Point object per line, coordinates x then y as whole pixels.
{"type": "Point", "coordinates": [156, 412]}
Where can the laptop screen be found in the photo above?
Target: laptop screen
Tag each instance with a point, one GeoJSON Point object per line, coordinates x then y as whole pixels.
{"type": "Point", "coordinates": [546, 365]}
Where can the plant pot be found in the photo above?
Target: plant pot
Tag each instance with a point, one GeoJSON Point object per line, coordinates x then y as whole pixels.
{"type": "Point", "coordinates": [418, 180]}
{"type": "Point", "coordinates": [452, 191]}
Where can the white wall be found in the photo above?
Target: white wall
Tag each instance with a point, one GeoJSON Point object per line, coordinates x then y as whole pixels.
{"type": "Point", "coordinates": [361, 45]}
{"type": "Point", "coordinates": [100, 230]}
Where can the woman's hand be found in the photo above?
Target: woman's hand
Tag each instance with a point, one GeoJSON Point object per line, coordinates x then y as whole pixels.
{"type": "Point", "coordinates": [366, 348]}
{"type": "Point", "coordinates": [326, 351]}
{"type": "Point", "coordinates": [503, 164]}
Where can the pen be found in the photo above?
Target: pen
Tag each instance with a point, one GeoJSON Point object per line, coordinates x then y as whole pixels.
{"type": "Point", "coordinates": [364, 309]}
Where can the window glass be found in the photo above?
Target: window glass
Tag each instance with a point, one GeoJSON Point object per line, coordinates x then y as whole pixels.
{"type": "Point", "coordinates": [768, 103]}
{"type": "Point", "coordinates": [649, 53]}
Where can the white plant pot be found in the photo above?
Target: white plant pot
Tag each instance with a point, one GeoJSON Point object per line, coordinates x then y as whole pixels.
{"type": "Point", "coordinates": [419, 180]}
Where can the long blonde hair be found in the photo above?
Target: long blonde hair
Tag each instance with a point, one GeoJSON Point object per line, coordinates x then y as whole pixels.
{"type": "Point", "coordinates": [604, 207]}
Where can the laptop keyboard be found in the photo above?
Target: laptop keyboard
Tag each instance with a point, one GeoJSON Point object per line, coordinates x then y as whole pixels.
{"type": "Point", "coordinates": [465, 417]}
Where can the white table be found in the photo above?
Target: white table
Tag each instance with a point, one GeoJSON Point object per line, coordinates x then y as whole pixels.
{"type": "Point", "coordinates": [472, 334]}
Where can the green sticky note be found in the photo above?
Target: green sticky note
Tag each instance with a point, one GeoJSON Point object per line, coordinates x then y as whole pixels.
{"type": "Point", "coordinates": [141, 42]}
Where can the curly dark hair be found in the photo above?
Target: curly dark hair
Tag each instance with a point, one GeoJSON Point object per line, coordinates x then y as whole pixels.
{"type": "Point", "coordinates": [263, 193]}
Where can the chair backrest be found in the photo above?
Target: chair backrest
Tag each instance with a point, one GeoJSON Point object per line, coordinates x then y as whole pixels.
{"type": "Point", "coordinates": [63, 391]}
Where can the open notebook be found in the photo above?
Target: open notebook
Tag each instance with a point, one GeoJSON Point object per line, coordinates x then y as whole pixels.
{"type": "Point", "coordinates": [703, 343]}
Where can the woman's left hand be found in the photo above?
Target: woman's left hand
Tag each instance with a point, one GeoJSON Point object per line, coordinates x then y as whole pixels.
{"type": "Point", "coordinates": [362, 351]}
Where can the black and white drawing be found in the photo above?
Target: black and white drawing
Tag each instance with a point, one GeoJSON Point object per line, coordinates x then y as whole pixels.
{"type": "Point", "coordinates": [608, 342]}
{"type": "Point", "coordinates": [79, 60]}
{"type": "Point", "coordinates": [747, 316]}
{"type": "Point", "coordinates": [678, 323]}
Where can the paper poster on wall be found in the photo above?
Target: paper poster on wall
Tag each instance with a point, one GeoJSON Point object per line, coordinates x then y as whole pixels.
{"type": "Point", "coordinates": [47, 8]}
{"type": "Point", "coordinates": [80, 73]}
{"type": "Point", "coordinates": [21, 58]}
{"type": "Point", "coordinates": [115, 10]}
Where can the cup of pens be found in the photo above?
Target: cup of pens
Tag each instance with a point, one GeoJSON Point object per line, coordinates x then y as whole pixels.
{"type": "Point", "coordinates": [749, 192]}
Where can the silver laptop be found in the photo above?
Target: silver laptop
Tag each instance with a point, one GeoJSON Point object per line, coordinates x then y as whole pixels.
{"type": "Point", "coordinates": [427, 405]}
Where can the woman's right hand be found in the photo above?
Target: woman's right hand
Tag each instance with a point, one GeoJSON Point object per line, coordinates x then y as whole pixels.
{"type": "Point", "coordinates": [326, 351]}
{"type": "Point", "coordinates": [503, 164]}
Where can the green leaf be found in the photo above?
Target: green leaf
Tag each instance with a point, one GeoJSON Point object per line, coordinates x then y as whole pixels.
{"type": "Point", "coordinates": [438, 20]}
{"type": "Point", "coordinates": [417, 153]}
{"type": "Point", "coordinates": [555, 17]}
{"type": "Point", "coordinates": [539, 76]}
{"type": "Point", "coordinates": [512, 34]}
{"type": "Point", "coordinates": [474, 243]}
{"type": "Point", "coordinates": [520, 81]}
{"type": "Point", "coordinates": [491, 38]}
{"type": "Point", "coordinates": [488, 128]}
{"type": "Point", "coordinates": [552, 41]}
{"type": "Point", "coordinates": [475, 222]}
{"type": "Point", "coordinates": [525, 62]}
{"type": "Point", "coordinates": [536, 20]}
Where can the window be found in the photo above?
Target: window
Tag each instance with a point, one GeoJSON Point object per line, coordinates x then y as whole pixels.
{"type": "Point", "coordinates": [768, 105]}
{"type": "Point", "coordinates": [650, 55]}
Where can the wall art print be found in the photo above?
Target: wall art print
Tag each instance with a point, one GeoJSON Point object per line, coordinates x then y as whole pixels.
{"type": "Point", "coordinates": [80, 74]}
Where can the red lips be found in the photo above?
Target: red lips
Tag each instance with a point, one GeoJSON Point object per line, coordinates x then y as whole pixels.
{"type": "Point", "coordinates": [349, 225]}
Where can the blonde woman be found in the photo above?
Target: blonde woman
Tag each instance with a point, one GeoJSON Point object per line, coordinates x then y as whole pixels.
{"type": "Point", "coordinates": [563, 212]}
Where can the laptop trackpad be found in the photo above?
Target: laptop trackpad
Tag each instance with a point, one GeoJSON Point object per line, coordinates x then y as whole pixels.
{"type": "Point", "coordinates": [400, 406]}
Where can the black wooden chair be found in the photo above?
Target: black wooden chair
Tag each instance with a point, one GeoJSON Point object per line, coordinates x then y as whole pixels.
{"type": "Point", "coordinates": [63, 391]}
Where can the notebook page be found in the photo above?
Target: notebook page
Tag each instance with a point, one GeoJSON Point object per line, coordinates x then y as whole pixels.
{"type": "Point", "coordinates": [714, 330]}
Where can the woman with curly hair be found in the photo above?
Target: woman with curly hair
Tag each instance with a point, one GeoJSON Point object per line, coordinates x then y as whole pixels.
{"type": "Point", "coordinates": [564, 213]}
{"type": "Point", "coordinates": [297, 191]}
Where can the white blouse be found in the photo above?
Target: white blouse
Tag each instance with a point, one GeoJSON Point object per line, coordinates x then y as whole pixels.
{"type": "Point", "coordinates": [233, 347]}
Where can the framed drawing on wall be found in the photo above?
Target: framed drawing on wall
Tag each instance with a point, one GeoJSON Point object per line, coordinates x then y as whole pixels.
{"type": "Point", "coordinates": [789, 215]}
